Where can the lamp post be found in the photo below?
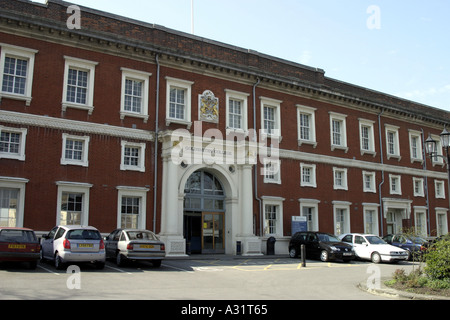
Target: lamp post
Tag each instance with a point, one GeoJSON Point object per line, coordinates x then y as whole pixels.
{"type": "Point", "coordinates": [431, 149]}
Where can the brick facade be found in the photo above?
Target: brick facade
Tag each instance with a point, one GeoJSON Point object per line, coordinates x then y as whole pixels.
{"type": "Point", "coordinates": [117, 45]}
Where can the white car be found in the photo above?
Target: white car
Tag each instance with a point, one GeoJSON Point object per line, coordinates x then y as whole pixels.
{"type": "Point", "coordinates": [373, 248]}
{"type": "Point", "coordinates": [73, 244]}
{"type": "Point", "coordinates": [134, 245]}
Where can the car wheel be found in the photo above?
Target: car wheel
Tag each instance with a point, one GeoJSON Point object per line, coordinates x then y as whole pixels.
{"type": "Point", "coordinates": [410, 257]}
{"type": "Point", "coordinates": [324, 255]}
{"type": "Point", "coordinates": [156, 263]}
{"type": "Point", "coordinates": [59, 265]}
{"type": "Point", "coordinates": [376, 258]}
{"type": "Point", "coordinates": [120, 259]}
{"type": "Point", "coordinates": [293, 253]}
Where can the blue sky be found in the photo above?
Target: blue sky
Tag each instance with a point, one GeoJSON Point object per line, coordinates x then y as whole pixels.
{"type": "Point", "coordinates": [399, 47]}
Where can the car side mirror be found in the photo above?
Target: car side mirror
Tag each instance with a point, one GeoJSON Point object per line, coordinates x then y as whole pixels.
{"type": "Point", "coordinates": [45, 236]}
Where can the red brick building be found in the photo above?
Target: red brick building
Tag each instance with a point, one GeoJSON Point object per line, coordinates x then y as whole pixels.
{"type": "Point", "coordinates": [122, 123]}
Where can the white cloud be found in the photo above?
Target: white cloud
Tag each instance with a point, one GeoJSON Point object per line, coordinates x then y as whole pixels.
{"type": "Point", "coordinates": [305, 57]}
{"type": "Point", "coordinates": [420, 94]}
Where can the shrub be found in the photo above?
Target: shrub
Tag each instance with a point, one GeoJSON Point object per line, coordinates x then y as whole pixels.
{"type": "Point", "coordinates": [438, 260]}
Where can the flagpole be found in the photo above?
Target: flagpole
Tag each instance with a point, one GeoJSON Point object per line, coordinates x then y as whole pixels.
{"type": "Point", "coordinates": [192, 16]}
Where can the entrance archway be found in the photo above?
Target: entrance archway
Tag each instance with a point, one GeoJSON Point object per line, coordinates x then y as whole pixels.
{"type": "Point", "coordinates": [204, 213]}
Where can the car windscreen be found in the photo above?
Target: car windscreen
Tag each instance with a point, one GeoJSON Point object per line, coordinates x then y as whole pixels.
{"type": "Point", "coordinates": [418, 240]}
{"type": "Point", "coordinates": [17, 236]}
{"type": "Point", "coordinates": [83, 234]}
{"type": "Point", "coordinates": [141, 235]}
{"type": "Point", "coordinates": [327, 237]}
{"type": "Point", "coordinates": [375, 240]}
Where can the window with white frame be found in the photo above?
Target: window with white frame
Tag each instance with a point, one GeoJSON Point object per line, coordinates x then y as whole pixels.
{"type": "Point", "coordinates": [306, 124]}
{"type": "Point", "coordinates": [12, 201]}
{"type": "Point", "coordinates": [341, 213]}
{"type": "Point", "coordinates": [420, 221]}
{"type": "Point", "coordinates": [272, 171]}
{"type": "Point", "coordinates": [131, 211]}
{"type": "Point", "coordinates": [418, 187]}
{"type": "Point", "coordinates": [338, 130]}
{"type": "Point", "coordinates": [392, 142]}
{"type": "Point", "coordinates": [133, 156]}
{"type": "Point", "coordinates": [236, 106]}
{"type": "Point", "coordinates": [273, 216]}
{"type": "Point", "coordinates": [340, 179]}
{"type": "Point", "coordinates": [395, 184]}
{"type": "Point", "coordinates": [371, 218]}
{"type": "Point", "coordinates": [308, 175]}
{"type": "Point", "coordinates": [73, 203]}
{"type": "Point", "coordinates": [16, 72]}
{"type": "Point", "coordinates": [439, 188]}
{"type": "Point", "coordinates": [438, 160]}
{"type": "Point", "coordinates": [367, 140]}
{"type": "Point", "coordinates": [415, 146]}
{"type": "Point", "coordinates": [309, 208]}
{"type": "Point", "coordinates": [12, 143]}
{"type": "Point", "coordinates": [75, 150]}
{"type": "Point", "coordinates": [135, 94]}
{"type": "Point", "coordinates": [178, 101]}
{"type": "Point", "coordinates": [369, 182]}
{"type": "Point", "coordinates": [441, 221]}
{"type": "Point", "coordinates": [271, 117]}
{"type": "Point", "coordinates": [78, 89]}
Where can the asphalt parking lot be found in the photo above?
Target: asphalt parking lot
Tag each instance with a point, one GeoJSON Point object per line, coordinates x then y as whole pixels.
{"type": "Point", "coordinates": [212, 278]}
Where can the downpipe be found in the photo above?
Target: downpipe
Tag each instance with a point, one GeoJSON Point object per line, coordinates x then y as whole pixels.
{"type": "Point", "coordinates": [155, 160]}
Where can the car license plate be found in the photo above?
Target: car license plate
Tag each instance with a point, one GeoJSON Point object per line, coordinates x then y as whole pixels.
{"type": "Point", "coordinates": [85, 245]}
{"type": "Point", "coordinates": [17, 246]}
{"type": "Point", "coordinates": [347, 253]}
{"type": "Point", "coordinates": [147, 246]}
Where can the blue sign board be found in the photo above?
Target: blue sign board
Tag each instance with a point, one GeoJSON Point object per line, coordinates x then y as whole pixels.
{"type": "Point", "coordinates": [299, 224]}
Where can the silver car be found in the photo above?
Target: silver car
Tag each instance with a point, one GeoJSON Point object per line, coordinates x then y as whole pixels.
{"type": "Point", "coordinates": [133, 244]}
{"type": "Point", "coordinates": [73, 244]}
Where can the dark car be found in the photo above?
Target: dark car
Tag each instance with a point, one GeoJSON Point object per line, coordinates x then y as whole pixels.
{"type": "Point", "coordinates": [19, 245]}
{"type": "Point", "coordinates": [414, 245]}
{"type": "Point", "coordinates": [320, 245]}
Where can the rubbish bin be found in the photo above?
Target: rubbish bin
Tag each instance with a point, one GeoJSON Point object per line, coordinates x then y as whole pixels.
{"type": "Point", "coordinates": [238, 248]}
{"type": "Point", "coordinates": [271, 246]}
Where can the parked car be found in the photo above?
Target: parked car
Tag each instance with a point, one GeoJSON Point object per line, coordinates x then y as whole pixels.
{"type": "Point", "coordinates": [414, 245]}
{"type": "Point", "coordinates": [132, 244]}
{"type": "Point", "coordinates": [373, 248]}
{"type": "Point", "coordinates": [19, 245]}
{"type": "Point", "coordinates": [73, 244]}
{"type": "Point", "coordinates": [320, 245]}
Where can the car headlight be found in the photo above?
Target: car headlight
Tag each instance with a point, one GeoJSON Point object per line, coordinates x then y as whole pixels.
{"type": "Point", "coordinates": [333, 248]}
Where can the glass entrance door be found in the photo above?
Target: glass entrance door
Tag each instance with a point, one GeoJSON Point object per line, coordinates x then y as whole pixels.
{"type": "Point", "coordinates": [213, 232]}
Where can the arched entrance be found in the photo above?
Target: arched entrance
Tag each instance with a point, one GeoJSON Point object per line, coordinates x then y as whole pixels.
{"type": "Point", "coordinates": [204, 214]}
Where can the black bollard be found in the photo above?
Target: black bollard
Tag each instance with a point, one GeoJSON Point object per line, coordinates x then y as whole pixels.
{"type": "Point", "coordinates": [303, 254]}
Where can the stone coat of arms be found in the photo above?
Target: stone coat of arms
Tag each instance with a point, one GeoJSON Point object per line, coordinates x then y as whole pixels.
{"type": "Point", "coordinates": [208, 107]}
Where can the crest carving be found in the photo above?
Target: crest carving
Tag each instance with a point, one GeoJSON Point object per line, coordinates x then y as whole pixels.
{"type": "Point", "coordinates": [208, 107]}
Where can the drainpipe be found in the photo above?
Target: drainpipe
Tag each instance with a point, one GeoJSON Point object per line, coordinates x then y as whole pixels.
{"type": "Point", "coordinates": [382, 172]}
{"type": "Point", "coordinates": [155, 161]}
{"type": "Point", "coordinates": [424, 157]}
{"type": "Point", "coordinates": [255, 169]}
